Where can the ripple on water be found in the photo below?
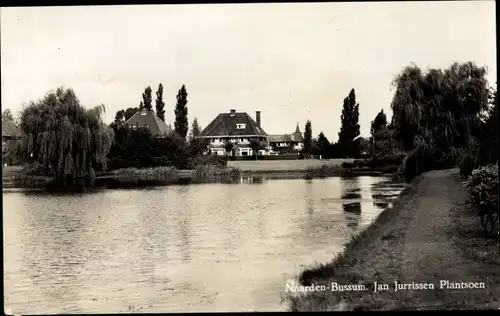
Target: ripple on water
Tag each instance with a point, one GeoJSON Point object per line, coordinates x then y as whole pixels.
{"type": "Point", "coordinates": [209, 247]}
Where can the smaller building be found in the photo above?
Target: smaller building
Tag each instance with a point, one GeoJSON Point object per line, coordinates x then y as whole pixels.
{"type": "Point", "coordinates": [148, 119]}
{"type": "Point", "coordinates": [10, 131]}
{"type": "Point", "coordinates": [287, 143]}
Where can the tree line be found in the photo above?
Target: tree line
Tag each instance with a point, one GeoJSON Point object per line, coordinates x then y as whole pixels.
{"type": "Point", "coordinates": [349, 144]}
{"type": "Point", "coordinates": [440, 118]}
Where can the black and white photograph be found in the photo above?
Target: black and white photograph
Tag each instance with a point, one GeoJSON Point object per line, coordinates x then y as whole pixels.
{"type": "Point", "coordinates": [250, 157]}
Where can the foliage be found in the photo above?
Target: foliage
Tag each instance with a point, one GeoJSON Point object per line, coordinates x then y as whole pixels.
{"type": "Point", "coordinates": [383, 142]}
{"type": "Point", "coordinates": [181, 112]}
{"type": "Point", "coordinates": [138, 148]}
{"type": "Point", "coordinates": [129, 112]}
{"type": "Point", "coordinates": [11, 152]}
{"type": "Point", "coordinates": [256, 145]}
{"type": "Point", "coordinates": [65, 138]}
{"type": "Point", "coordinates": [229, 146]}
{"type": "Point", "coordinates": [307, 138]}
{"type": "Point", "coordinates": [159, 104]}
{"type": "Point", "coordinates": [349, 129]}
{"type": "Point", "coordinates": [323, 145]}
{"type": "Point", "coordinates": [157, 172]}
{"type": "Point", "coordinates": [482, 186]}
{"type": "Point", "coordinates": [7, 115]}
{"type": "Point", "coordinates": [379, 123]}
{"type": "Point", "coordinates": [203, 160]}
{"type": "Point", "coordinates": [197, 145]}
{"type": "Point", "coordinates": [195, 129]}
{"type": "Point", "coordinates": [147, 99]}
{"type": "Point", "coordinates": [210, 170]}
{"type": "Point", "coordinates": [439, 107]}
{"type": "Point", "coordinates": [437, 114]}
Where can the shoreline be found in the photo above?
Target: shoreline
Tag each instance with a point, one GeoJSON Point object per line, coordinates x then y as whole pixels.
{"type": "Point", "coordinates": [420, 240]}
{"type": "Point", "coordinates": [10, 179]}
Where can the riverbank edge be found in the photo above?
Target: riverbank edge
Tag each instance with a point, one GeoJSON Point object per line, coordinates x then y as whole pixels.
{"type": "Point", "coordinates": [383, 226]}
{"type": "Point", "coordinates": [376, 254]}
{"type": "Point", "coordinates": [11, 180]}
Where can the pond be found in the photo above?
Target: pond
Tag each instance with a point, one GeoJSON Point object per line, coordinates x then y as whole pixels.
{"type": "Point", "coordinates": [218, 247]}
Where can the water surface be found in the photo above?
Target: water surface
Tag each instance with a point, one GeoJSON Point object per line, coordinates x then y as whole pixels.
{"type": "Point", "coordinates": [181, 248]}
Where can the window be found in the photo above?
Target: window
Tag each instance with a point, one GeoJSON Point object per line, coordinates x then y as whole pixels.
{"type": "Point", "coordinates": [240, 126]}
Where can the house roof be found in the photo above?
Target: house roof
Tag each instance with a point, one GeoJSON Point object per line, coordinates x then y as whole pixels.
{"type": "Point", "coordinates": [295, 137]}
{"type": "Point", "coordinates": [225, 125]}
{"type": "Point", "coordinates": [156, 125]}
{"type": "Point", "coordinates": [10, 129]}
{"type": "Point", "coordinates": [280, 138]}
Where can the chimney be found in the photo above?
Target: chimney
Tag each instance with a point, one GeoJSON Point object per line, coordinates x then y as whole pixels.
{"type": "Point", "coordinates": [233, 112]}
{"type": "Point", "coordinates": [257, 117]}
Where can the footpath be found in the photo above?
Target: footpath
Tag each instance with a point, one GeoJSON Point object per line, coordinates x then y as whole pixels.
{"type": "Point", "coordinates": [430, 242]}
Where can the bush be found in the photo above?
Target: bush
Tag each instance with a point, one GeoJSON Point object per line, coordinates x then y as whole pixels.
{"type": "Point", "coordinates": [157, 172]}
{"type": "Point", "coordinates": [210, 170]}
{"type": "Point", "coordinates": [204, 160]}
{"type": "Point", "coordinates": [482, 186]}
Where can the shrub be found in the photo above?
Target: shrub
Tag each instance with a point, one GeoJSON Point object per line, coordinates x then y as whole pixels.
{"type": "Point", "coordinates": [210, 170]}
{"type": "Point", "coordinates": [203, 160]}
{"type": "Point", "coordinates": [157, 172]}
{"type": "Point", "coordinates": [482, 186]}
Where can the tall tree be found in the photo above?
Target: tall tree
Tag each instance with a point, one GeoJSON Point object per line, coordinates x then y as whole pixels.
{"type": "Point", "coordinates": [437, 114]}
{"type": "Point", "coordinates": [160, 105]}
{"type": "Point", "coordinates": [308, 137]}
{"type": "Point", "coordinates": [181, 112]}
{"type": "Point", "coordinates": [379, 123]}
{"type": "Point", "coordinates": [141, 105]}
{"type": "Point", "coordinates": [147, 99]}
{"type": "Point", "coordinates": [63, 138]}
{"type": "Point", "coordinates": [197, 145]}
{"type": "Point", "coordinates": [349, 129]}
{"type": "Point", "coordinates": [323, 145]}
{"type": "Point", "coordinates": [195, 129]}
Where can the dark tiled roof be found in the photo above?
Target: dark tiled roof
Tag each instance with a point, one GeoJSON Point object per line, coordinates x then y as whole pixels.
{"type": "Point", "coordinates": [295, 137]}
{"type": "Point", "coordinates": [10, 129]}
{"type": "Point", "coordinates": [280, 138]}
{"type": "Point", "coordinates": [157, 126]}
{"type": "Point", "coordinates": [225, 125]}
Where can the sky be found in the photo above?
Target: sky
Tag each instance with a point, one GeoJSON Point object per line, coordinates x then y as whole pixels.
{"type": "Point", "coordinates": [291, 61]}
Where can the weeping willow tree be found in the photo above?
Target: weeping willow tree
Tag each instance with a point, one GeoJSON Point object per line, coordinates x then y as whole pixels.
{"type": "Point", "coordinates": [64, 139]}
{"type": "Point", "coordinates": [437, 114]}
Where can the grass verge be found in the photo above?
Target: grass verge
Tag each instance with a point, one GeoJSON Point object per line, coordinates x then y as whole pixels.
{"type": "Point", "coordinates": [451, 245]}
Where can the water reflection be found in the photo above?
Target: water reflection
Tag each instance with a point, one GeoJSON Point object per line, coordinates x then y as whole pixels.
{"type": "Point", "coordinates": [181, 248]}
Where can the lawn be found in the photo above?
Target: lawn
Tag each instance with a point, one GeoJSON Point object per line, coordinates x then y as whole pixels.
{"type": "Point", "coordinates": [283, 165]}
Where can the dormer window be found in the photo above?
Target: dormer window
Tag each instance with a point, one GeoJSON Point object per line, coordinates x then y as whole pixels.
{"type": "Point", "coordinates": [241, 126]}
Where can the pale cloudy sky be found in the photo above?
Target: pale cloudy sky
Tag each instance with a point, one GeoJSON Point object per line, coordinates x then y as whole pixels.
{"type": "Point", "coordinates": [291, 61]}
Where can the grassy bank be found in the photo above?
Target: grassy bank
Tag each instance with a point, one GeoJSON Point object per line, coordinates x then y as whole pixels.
{"type": "Point", "coordinates": [427, 236]}
{"type": "Point", "coordinates": [262, 166]}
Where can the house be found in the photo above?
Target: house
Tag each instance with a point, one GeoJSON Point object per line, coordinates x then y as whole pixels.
{"type": "Point", "coordinates": [149, 120]}
{"type": "Point", "coordinates": [237, 128]}
{"type": "Point", "coordinates": [287, 142]}
{"type": "Point", "coordinates": [10, 131]}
